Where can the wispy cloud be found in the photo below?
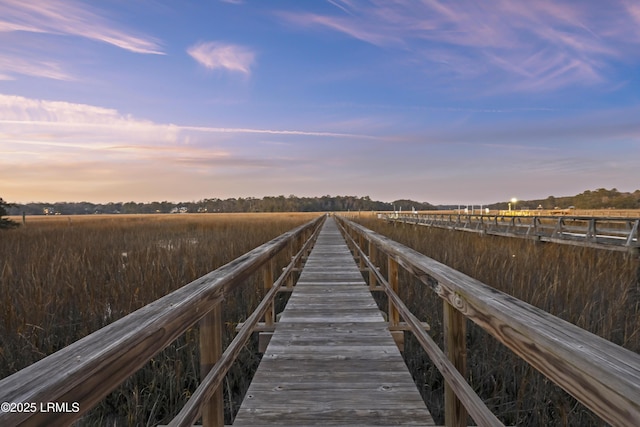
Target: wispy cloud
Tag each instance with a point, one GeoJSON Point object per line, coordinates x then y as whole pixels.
{"type": "Point", "coordinates": [354, 26]}
{"type": "Point", "coordinates": [61, 150]}
{"type": "Point", "coordinates": [32, 122]}
{"type": "Point", "coordinates": [48, 144]}
{"type": "Point", "coordinates": [11, 65]}
{"type": "Point", "coordinates": [217, 55]}
{"type": "Point", "coordinates": [634, 10]}
{"type": "Point", "coordinates": [68, 17]}
{"type": "Point", "coordinates": [42, 126]}
{"type": "Point", "coordinates": [68, 118]}
{"type": "Point", "coordinates": [343, 5]}
{"type": "Point", "coordinates": [532, 46]}
{"type": "Point", "coordinates": [276, 132]}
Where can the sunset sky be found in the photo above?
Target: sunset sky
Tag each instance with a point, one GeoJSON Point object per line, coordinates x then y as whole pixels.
{"type": "Point", "coordinates": [445, 102]}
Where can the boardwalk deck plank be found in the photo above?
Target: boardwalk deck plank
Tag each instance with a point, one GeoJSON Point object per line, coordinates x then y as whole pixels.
{"type": "Point", "coordinates": [332, 360]}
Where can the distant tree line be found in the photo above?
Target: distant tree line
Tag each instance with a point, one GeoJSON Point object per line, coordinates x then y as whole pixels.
{"type": "Point", "coordinates": [6, 222]}
{"type": "Point", "coordinates": [266, 204]}
{"type": "Point", "coordinates": [597, 199]}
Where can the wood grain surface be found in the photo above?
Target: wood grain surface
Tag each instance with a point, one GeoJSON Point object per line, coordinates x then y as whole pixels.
{"type": "Point", "coordinates": [332, 360]}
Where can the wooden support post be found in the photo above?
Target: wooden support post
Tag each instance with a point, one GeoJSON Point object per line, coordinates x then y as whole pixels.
{"type": "Point", "coordinates": [291, 251]}
{"type": "Point", "coordinates": [455, 347]}
{"type": "Point", "coordinates": [299, 243]}
{"type": "Point", "coordinates": [270, 315]}
{"type": "Point", "coordinates": [591, 232]}
{"type": "Point", "coordinates": [372, 257]}
{"type": "Point", "coordinates": [361, 244]}
{"type": "Point", "coordinates": [348, 231]}
{"type": "Point", "coordinates": [394, 316]}
{"type": "Point", "coordinates": [306, 237]}
{"type": "Point", "coordinates": [210, 352]}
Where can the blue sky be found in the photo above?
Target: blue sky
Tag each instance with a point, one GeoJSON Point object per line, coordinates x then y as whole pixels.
{"type": "Point", "coordinates": [444, 102]}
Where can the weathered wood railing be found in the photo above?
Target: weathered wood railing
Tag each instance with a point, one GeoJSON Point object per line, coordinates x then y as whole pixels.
{"type": "Point", "coordinates": [603, 376]}
{"type": "Point", "coordinates": [87, 370]}
{"type": "Point", "coordinates": [621, 234]}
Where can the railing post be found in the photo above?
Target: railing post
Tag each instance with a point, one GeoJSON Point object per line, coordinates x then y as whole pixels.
{"type": "Point", "coordinates": [591, 231]}
{"type": "Point", "coordinates": [394, 316]}
{"type": "Point", "coordinates": [270, 315]}
{"type": "Point", "coordinates": [299, 243]}
{"type": "Point", "coordinates": [372, 256]}
{"type": "Point", "coordinates": [558, 231]}
{"type": "Point", "coordinates": [361, 245]}
{"type": "Point", "coordinates": [455, 347]}
{"type": "Point", "coordinates": [267, 276]}
{"type": "Point", "coordinates": [210, 352]}
{"type": "Point", "coordinates": [291, 250]}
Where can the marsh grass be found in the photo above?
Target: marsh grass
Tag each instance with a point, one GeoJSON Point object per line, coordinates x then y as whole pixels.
{"type": "Point", "coordinates": [62, 278]}
{"type": "Point", "coordinates": [596, 290]}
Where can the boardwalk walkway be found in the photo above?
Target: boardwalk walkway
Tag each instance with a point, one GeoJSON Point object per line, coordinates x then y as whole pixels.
{"type": "Point", "coordinates": [332, 360]}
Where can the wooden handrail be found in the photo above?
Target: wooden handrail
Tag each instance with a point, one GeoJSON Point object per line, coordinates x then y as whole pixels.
{"type": "Point", "coordinates": [602, 375]}
{"type": "Point", "coordinates": [610, 233]}
{"type": "Point", "coordinates": [87, 370]}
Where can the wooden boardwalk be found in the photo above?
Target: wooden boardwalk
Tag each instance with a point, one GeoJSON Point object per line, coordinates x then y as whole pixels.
{"type": "Point", "coordinates": [332, 360]}
{"type": "Point", "coordinates": [600, 232]}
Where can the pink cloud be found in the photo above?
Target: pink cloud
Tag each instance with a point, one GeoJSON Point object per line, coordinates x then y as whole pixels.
{"type": "Point", "coordinates": [70, 18]}
{"type": "Point", "coordinates": [217, 55]}
{"type": "Point", "coordinates": [540, 45]}
{"type": "Point", "coordinates": [11, 65]}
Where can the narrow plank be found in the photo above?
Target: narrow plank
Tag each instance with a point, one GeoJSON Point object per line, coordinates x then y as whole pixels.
{"type": "Point", "coordinates": [332, 360]}
{"type": "Point", "coordinates": [336, 417]}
